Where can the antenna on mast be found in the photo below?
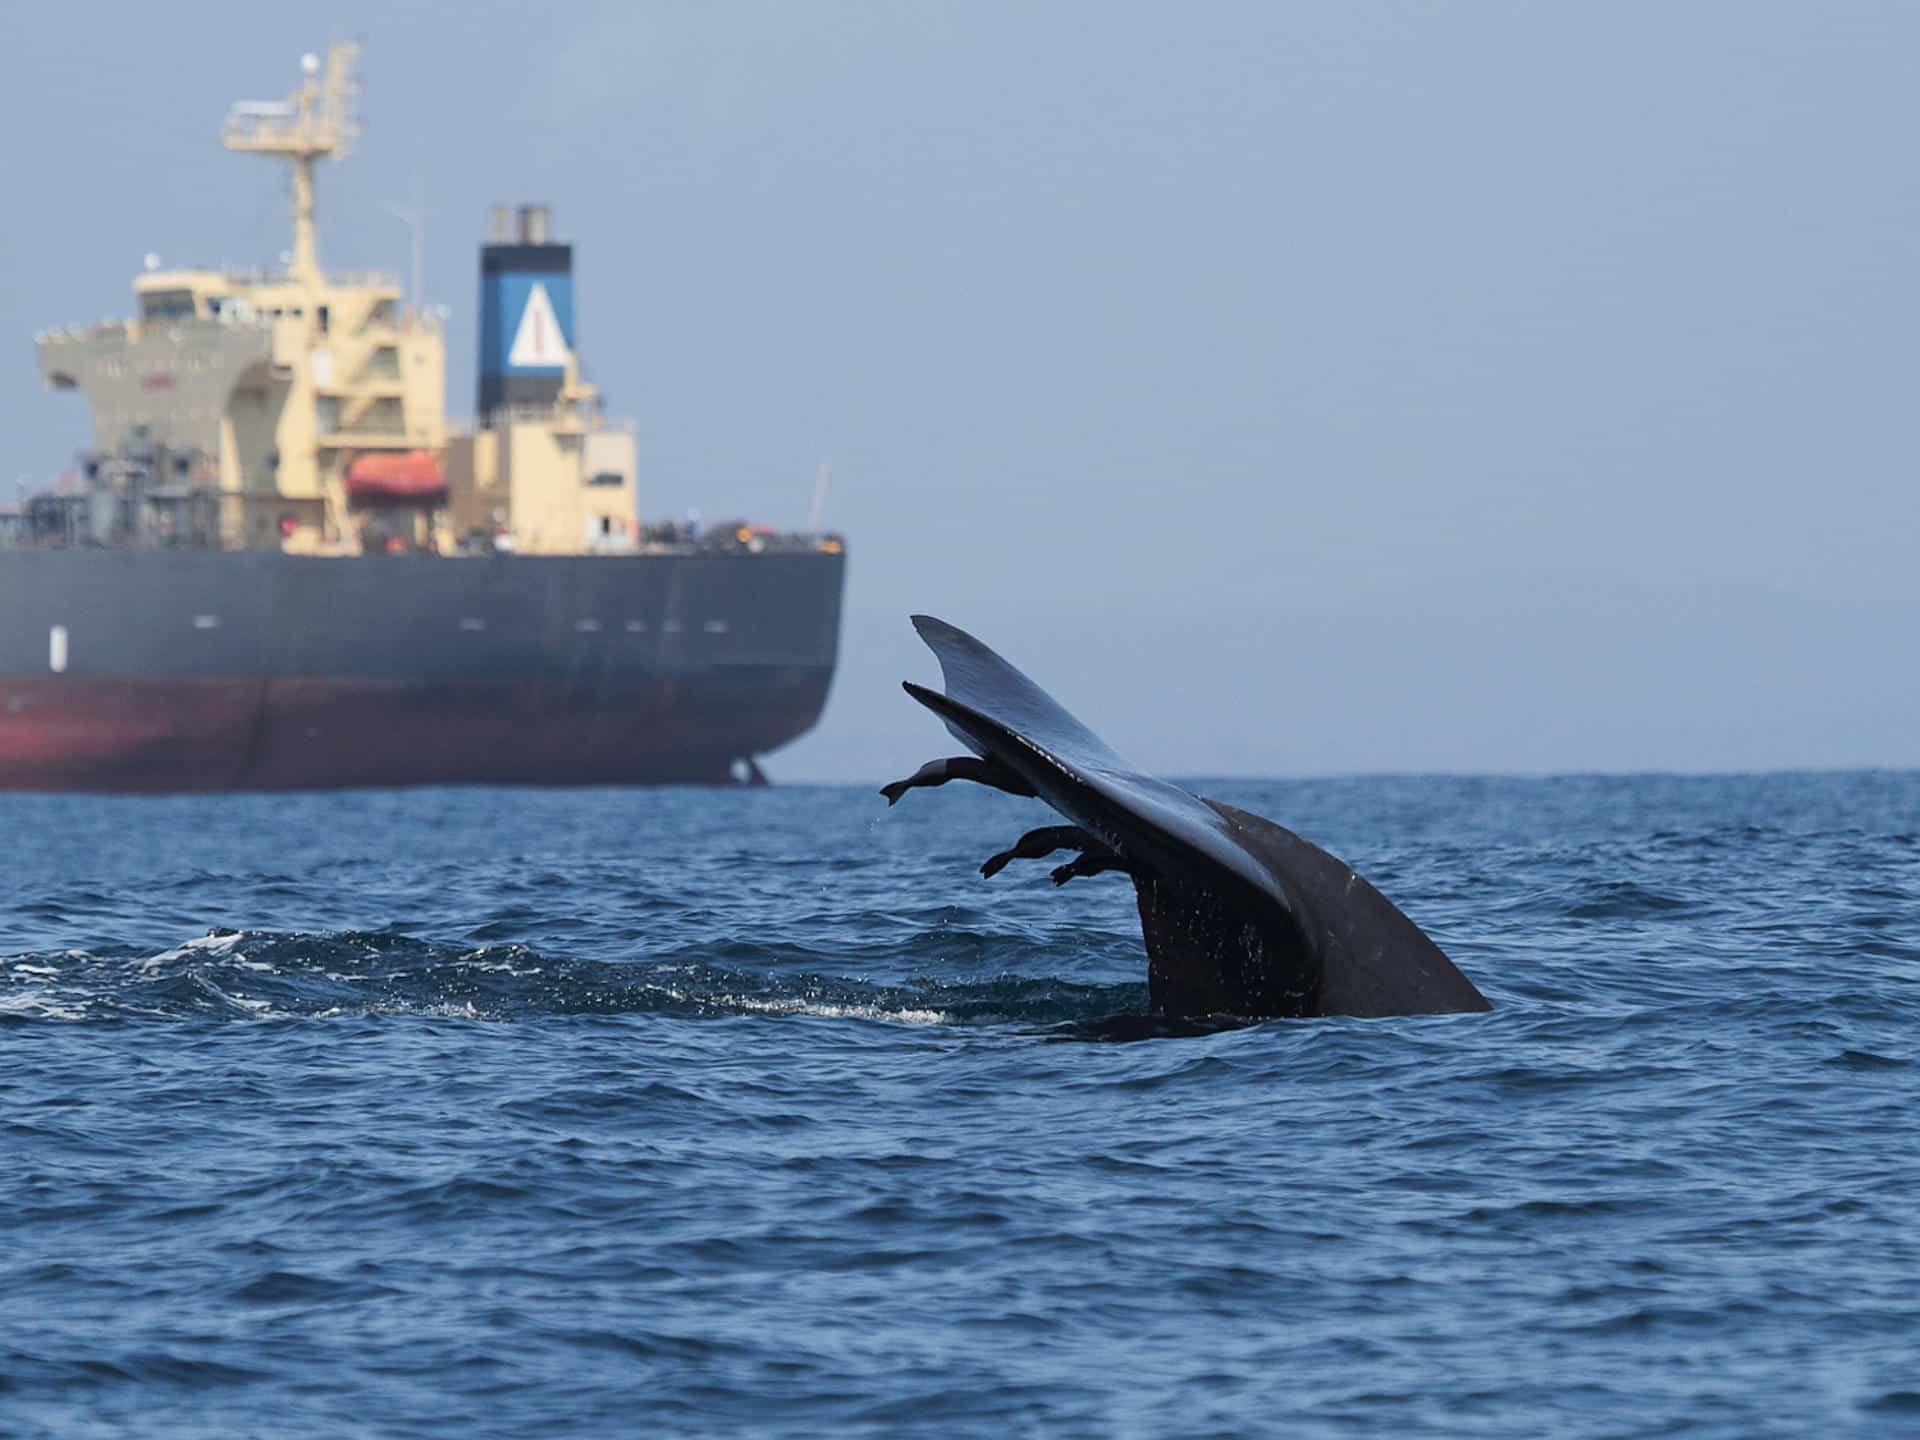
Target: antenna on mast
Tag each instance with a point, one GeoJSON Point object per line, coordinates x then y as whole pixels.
{"type": "Point", "coordinates": [312, 123]}
{"type": "Point", "coordinates": [819, 507]}
{"type": "Point", "coordinates": [415, 219]}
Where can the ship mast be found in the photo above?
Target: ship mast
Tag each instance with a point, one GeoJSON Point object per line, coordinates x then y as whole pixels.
{"type": "Point", "coordinates": [311, 124]}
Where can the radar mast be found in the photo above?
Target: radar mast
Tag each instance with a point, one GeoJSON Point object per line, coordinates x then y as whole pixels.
{"type": "Point", "coordinates": [314, 122]}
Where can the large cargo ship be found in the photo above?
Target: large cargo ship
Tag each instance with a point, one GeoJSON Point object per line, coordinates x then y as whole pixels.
{"type": "Point", "coordinates": [281, 567]}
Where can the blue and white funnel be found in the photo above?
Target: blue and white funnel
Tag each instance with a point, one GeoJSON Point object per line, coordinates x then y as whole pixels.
{"type": "Point", "coordinates": [526, 313]}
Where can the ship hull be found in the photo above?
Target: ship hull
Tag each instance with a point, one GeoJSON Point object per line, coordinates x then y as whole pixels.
{"type": "Point", "coordinates": [189, 671]}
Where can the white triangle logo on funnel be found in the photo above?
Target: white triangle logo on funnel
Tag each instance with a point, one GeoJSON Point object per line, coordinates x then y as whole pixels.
{"type": "Point", "coordinates": [538, 343]}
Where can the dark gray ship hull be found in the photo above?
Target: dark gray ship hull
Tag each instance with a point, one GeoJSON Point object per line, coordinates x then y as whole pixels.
{"type": "Point", "coordinates": [201, 670]}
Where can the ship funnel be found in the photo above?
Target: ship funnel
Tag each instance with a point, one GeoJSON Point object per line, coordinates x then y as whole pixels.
{"type": "Point", "coordinates": [535, 222]}
{"type": "Point", "coordinates": [526, 311]}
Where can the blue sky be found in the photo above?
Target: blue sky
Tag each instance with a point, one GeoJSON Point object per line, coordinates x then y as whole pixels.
{"type": "Point", "coordinates": [1291, 389]}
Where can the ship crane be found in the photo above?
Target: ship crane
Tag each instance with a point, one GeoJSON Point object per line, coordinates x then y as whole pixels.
{"type": "Point", "coordinates": [313, 123]}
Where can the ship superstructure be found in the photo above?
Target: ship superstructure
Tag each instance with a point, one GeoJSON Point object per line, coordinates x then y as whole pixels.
{"type": "Point", "coordinates": [281, 565]}
{"type": "Point", "coordinates": [272, 383]}
{"type": "Point", "coordinates": [313, 404]}
{"type": "Point", "coordinates": [542, 470]}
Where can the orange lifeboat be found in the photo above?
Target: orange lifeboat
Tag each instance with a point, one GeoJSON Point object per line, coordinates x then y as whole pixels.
{"type": "Point", "coordinates": [390, 477]}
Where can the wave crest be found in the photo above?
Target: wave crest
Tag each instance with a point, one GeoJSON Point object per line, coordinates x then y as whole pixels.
{"type": "Point", "coordinates": [267, 975]}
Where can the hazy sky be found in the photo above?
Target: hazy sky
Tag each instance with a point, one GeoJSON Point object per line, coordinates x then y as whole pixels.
{"type": "Point", "coordinates": [1289, 388]}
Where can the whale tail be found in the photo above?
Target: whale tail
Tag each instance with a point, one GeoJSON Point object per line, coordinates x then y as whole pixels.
{"type": "Point", "coordinates": [1239, 915]}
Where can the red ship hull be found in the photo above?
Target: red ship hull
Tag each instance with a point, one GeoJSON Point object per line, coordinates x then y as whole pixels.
{"type": "Point", "coordinates": [154, 736]}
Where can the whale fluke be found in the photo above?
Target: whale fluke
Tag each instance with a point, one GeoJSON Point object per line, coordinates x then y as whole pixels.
{"type": "Point", "coordinates": [1240, 916]}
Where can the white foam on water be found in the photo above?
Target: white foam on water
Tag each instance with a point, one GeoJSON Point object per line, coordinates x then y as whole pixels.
{"type": "Point", "coordinates": [445, 1011]}
{"type": "Point", "coordinates": [824, 1010]}
{"type": "Point", "coordinates": [819, 1009]}
{"type": "Point", "coordinates": [40, 1005]}
{"type": "Point", "coordinates": [203, 945]}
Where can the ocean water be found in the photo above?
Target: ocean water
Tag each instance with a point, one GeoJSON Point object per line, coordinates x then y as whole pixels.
{"type": "Point", "coordinates": [468, 1112]}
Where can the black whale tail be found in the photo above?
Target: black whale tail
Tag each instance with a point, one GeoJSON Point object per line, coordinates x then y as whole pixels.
{"type": "Point", "coordinates": [1238, 914]}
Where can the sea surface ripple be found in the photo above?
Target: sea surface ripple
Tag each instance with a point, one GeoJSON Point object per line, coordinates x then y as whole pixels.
{"type": "Point", "coordinates": [476, 1112]}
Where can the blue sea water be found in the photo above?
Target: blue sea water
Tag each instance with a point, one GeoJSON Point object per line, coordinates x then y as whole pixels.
{"type": "Point", "coordinates": [469, 1112]}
